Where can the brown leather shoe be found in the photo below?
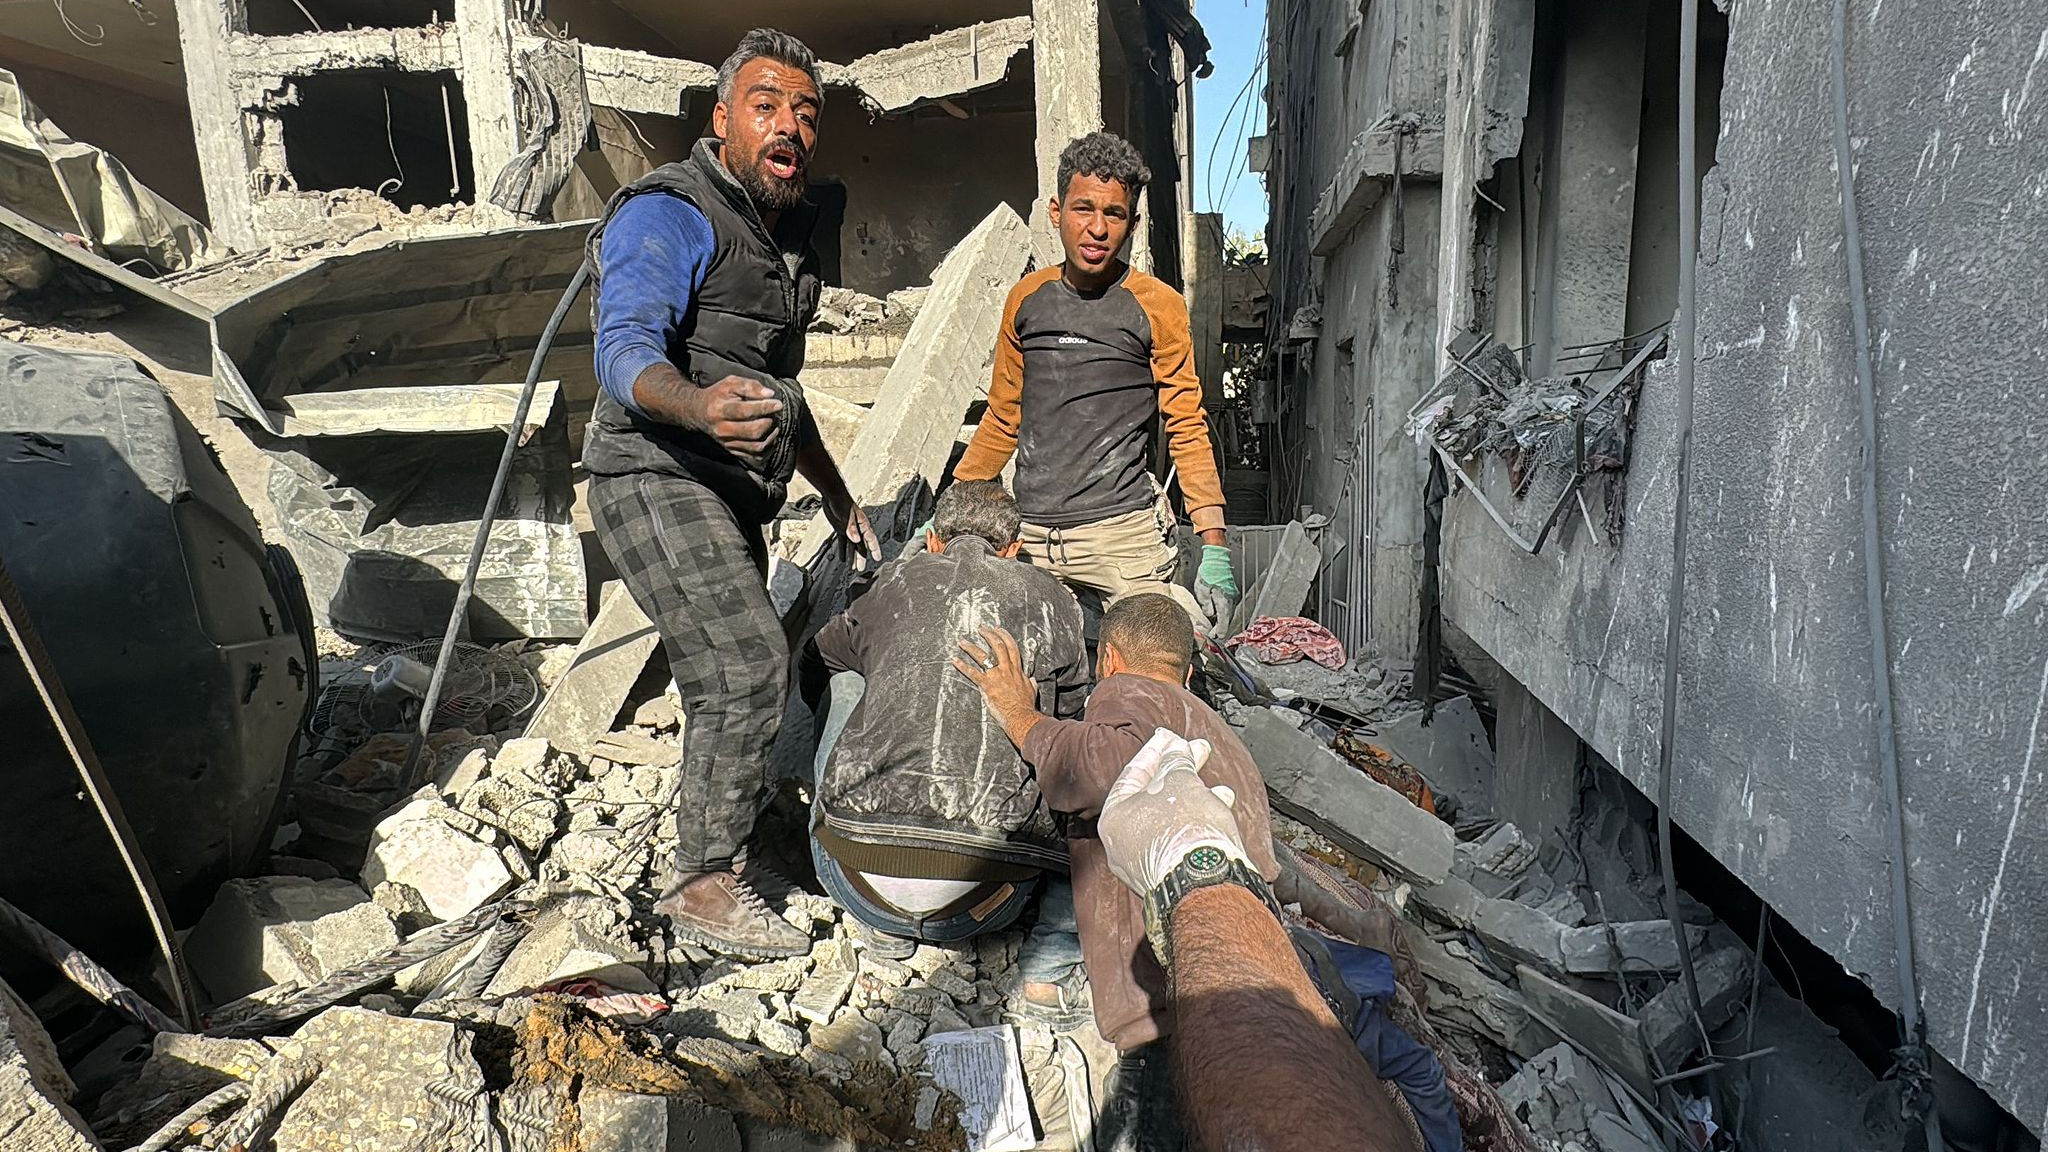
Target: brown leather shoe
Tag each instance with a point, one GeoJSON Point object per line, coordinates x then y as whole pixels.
{"type": "Point", "coordinates": [723, 913]}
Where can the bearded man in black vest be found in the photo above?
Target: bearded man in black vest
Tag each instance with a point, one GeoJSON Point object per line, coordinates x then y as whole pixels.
{"type": "Point", "coordinates": [706, 282]}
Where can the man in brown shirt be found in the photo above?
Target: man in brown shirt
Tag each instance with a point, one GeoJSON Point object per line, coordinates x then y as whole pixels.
{"type": "Point", "coordinates": [1142, 666]}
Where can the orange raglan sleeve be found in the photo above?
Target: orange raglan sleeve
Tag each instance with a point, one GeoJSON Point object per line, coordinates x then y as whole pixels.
{"type": "Point", "coordinates": [995, 438]}
{"type": "Point", "coordinates": [1180, 401]}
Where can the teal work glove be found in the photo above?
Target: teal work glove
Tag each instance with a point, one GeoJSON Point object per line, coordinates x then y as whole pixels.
{"type": "Point", "coordinates": [1216, 571]}
{"type": "Point", "coordinates": [1216, 585]}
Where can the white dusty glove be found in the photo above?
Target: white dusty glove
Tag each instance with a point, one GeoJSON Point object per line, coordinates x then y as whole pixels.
{"type": "Point", "coordinates": [1159, 810]}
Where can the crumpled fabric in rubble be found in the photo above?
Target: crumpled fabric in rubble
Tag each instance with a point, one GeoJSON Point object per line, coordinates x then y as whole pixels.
{"type": "Point", "coordinates": [1285, 639]}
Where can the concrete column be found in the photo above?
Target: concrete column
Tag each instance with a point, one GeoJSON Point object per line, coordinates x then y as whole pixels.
{"type": "Point", "coordinates": [1204, 247]}
{"type": "Point", "coordinates": [1066, 71]}
{"type": "Point", "coordinates": [1536, 759]}
{"type": "Point", "coordinates": [204, 29]}
{"type": "Point", "coordinates": [485, 27]}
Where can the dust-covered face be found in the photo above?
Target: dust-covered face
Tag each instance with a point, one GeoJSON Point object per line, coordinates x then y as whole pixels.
{"type": "Point", "coordinates": [1094, 218]}
{"type": "Point", "coordinates": [770, 129]}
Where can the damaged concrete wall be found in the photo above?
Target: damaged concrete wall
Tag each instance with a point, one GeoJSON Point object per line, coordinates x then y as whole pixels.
{"type": "Point", "coordinates": [1347, 76]}
{"type": "Point", "coordinates": [1775, 754]}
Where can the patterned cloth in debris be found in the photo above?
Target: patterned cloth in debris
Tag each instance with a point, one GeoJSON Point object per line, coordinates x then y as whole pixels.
{"type": "Point", "coordinates": [1285, 639]}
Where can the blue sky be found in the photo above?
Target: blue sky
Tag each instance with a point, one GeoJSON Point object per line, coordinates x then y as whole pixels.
{"type": "Point", "coordinates": [1237, 33]}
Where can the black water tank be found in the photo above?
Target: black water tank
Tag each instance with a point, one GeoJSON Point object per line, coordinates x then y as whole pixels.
{"type": "Point", "coordinates": [184, 642]}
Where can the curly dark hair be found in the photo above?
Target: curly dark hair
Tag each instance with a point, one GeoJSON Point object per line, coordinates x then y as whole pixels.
{"type": "Point", "coordinates": [780, 47]}
{"type": "Point", "coordinates": [1105, 156]}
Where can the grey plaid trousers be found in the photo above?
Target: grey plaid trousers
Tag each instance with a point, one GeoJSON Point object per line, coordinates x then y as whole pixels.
{"type": "Point", "coordinates": [696, 570]}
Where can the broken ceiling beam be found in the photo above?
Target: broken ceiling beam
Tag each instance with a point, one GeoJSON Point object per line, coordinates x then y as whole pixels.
{"type": "Point", "coordinates": [259, 66]}
{"type": "Point", "coordinates": [640, 81]}
{"type": "Point", "coordinates": [1312, 784]}
{"type": "Point", "coordinates": [951, 63]}
{"type": "Point", "coordinates": [579, 709]}
{"type": "Point", "coordinates": [942, 369]}
{"type": "Point", "coordinates": [1368, 170]}
{"type": "Point", "coordinates": [447, 408]}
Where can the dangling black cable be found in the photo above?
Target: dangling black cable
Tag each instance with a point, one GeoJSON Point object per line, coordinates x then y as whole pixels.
{"type": "Point", "coordinates": [464, 590]}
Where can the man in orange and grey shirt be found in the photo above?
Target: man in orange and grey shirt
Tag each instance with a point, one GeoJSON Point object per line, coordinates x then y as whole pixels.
{"type": "Point", "coordinates": [1090, 353]}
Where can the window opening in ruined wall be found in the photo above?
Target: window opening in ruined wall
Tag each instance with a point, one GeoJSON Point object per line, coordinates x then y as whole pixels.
{"type": "Point", "coordinates": [402, 135]}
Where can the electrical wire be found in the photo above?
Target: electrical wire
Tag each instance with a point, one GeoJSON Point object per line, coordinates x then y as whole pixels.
{"type": "Point", "coordinates": [414, 770]}
{"type": "Point", "coordinates": [1910, 1057]}
{"type": "Point", "coordinates": [1686, 338]}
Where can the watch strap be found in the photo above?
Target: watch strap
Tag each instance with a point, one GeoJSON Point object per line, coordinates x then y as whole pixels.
{"type": "Point", "coordinates": [1194, 873]}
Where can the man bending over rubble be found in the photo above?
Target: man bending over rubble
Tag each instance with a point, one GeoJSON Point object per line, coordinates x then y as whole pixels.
{"type": "Point", "coordinates": [928, 825]}
{"type": "Point", "coordinates": [705, 283]}
{"type": "Point", "coordinates": [1091, 354]}
{"type": "Point", "coordinates": [1146, 645]}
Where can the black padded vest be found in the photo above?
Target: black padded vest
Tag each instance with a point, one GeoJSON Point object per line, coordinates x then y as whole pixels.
{"type": "Point", "coordinates": [748, 319]}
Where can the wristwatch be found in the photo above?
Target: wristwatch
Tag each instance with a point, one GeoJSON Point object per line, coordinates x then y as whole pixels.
{"type": "Point", "coordinates": [1204, 867]}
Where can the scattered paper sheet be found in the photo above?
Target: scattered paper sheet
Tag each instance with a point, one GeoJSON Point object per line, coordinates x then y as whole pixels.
{"type": "Point", "coordinates": [985, 1069]}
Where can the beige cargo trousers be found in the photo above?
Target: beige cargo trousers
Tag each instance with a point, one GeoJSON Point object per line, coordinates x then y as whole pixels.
{"type": "Point", "coordinates": [1116, 556]}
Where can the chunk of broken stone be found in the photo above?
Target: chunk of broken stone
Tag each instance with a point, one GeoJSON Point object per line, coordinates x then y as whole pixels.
{"type": "Point", "coordinates": [823, 994]}
{"type": "Point", "coordinates": [559, 948]}
{"type": "Point", "coordinates": [952, 984]}
{"type": "Point", "coordinates": [1637, 948]}
{"type": "Point", "coordinates": [386, 1084]}
{"type": "Point", "coordinates": [1520, 933]}
{"type": "Point", "coordinates": [284, 929]}
{"type": "Point", "coordinates": [777, 1037]}
{"type": "Point", "coordinates": [453, 873]}
{"type": "Point", "coordinates": [1667, 1019]}
{"type": "Point", "coordinates": [35, 1090]}
{"type": "Point", "coordinates": [851, 1038]}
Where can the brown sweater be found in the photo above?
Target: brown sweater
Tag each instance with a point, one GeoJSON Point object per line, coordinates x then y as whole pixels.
{"type": "Point", "coordinates": [1077, 761]}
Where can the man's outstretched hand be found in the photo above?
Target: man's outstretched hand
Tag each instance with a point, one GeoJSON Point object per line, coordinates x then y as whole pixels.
{"type": "Point", "coordinates": [998, 670]}
{"type": "Point", "coordinates": [1159, 810]}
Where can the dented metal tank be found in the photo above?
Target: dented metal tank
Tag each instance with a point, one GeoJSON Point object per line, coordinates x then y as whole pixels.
{"type": "Point", "coordinates": [184, 642]}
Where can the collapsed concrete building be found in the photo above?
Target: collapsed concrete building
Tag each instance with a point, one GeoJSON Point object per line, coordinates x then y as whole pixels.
{"type": "Point", "coordinates": [1475, 203]}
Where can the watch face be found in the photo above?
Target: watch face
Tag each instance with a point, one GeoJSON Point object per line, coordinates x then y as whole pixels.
{"type": "Point", "coordinates": [1205, 859]}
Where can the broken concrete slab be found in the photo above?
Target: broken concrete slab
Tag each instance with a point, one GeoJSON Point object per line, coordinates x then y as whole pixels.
{"type": "Point", "coordinates": [560, 947]}
{"type": "Point", "coordinates": [1451, 751]}
{"type": "Point", "coordinates": [1520, 933]}
{"type": "Point", "coordinates": [453, 873]}
{"type": "Point", "coordinates": [1392, 149]}
{"type": "Point", "coordinates": [283, 929]}
{"type": "Point", "coordinates": [1283, 589]}
{"type": "Point", "coordinates": [1667, 1019]}
{"type": "Point", "coordinates": [1462, 996]}
{"type": "Point", "coordinates": [1312, 784]}
{"type": "Point", "coordinates": [940, 371]}
{"type": "Point", "coordinates": [952, 63]}
{"type": "Point", "coordinates": [386, 1084]}
{"type": "Point", "coordinates": [1615, 1039]}
{"type": "Point", "coordinates": [1635, 948]}
{"type": "Point", "coordinates": [612, 654]}
{"type": "Point", "coordinates": [35, 1090]}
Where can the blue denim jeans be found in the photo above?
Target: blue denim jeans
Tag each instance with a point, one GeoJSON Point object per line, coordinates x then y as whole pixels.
{"type": "Point", "coordinates": [844, 693]}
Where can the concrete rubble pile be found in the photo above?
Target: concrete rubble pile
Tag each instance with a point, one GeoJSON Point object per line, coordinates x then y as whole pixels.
{"type": "Point", "coordinates": [1557, 980]}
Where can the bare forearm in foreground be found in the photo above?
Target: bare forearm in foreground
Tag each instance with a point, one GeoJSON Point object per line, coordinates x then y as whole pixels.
{"type": "Point", "coordinates": [1263, 1065]}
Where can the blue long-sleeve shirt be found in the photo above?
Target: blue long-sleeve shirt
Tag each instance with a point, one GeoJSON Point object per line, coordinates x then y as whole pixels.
{"type": "Point", "coordinates": [655, 249]}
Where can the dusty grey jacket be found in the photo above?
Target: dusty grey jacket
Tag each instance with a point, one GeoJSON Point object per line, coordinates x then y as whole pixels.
{"type": "Point", "coordinates": [922, 763]}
